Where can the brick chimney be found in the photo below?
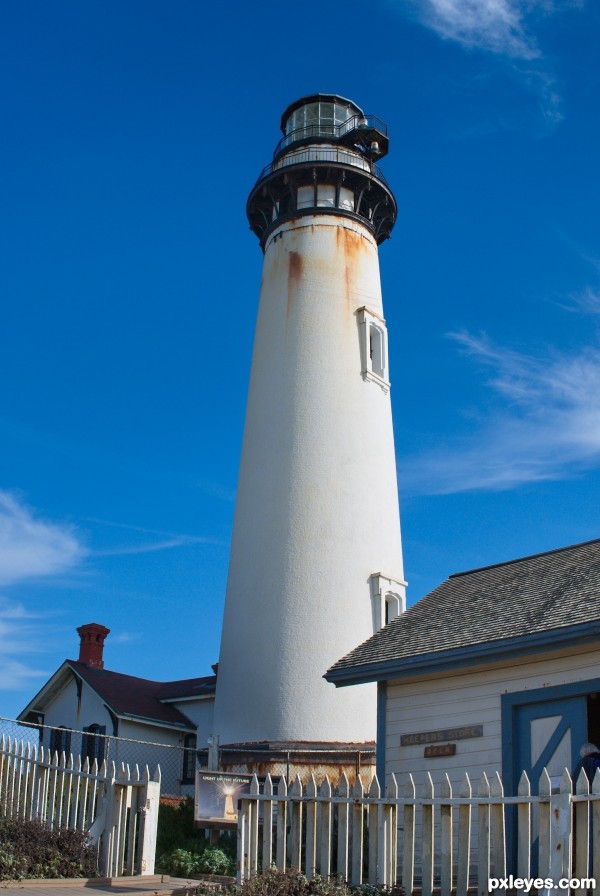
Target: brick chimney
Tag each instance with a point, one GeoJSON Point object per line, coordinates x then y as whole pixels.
{"type": "Point", "coordinates": [91, 647]}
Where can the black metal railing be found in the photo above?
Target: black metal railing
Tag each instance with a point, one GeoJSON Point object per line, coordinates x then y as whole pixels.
{"type": "Point", "coordinates": [322, 131]}
{"type": "Point", "coordinates": [338, 155]}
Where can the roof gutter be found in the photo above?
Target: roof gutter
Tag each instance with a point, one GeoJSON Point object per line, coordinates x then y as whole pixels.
{"type": "Point", "coordinates": [474, 654]}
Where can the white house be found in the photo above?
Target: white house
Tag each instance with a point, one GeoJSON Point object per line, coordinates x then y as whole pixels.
{"type": "Point", "coordinates": [90, 711]}
{"type": "Point", "coordinates": [497, 669]}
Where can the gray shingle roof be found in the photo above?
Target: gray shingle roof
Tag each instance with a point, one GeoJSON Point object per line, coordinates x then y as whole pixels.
{"type": "Point", "coordinates": [542, 596]}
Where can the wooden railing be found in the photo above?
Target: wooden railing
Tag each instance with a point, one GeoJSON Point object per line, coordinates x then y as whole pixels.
{"type": "Point", "coordinates": [446, 837]}
{"type": "Point", "coordinates": [118, 809]}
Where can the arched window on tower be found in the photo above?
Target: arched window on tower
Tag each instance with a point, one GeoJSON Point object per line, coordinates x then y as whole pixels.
{"type": "Point", "coordinates": [373, 347]}
{"type": "Point", "coordinates": [388, 599]}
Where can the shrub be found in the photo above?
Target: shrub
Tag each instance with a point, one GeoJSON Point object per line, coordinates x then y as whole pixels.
{"type": "Point", "coordinates": [206, 860]}
{"type": "Point", "coordinates": [176, 828]}
{"type": "Point", "coordinates": [30, 850]}
{"type": "Point", "coordinates": [292, 883]}
{"type": "Point", "coordinates": [215, 861]}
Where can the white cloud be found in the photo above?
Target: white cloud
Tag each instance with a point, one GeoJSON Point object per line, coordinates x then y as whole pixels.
{"type": "Point", "coordinates": [499, 26]}
{"type": "Point", "coordinates": [31, 547]}
{"type": "Point", "coordinates": [495, 25]}
{"type": "Point", "coordinates": [546, 426]}
{"type": "Point", "coordinates": [178, 541]}
{"type": "Point", "coordinates": [19, 635]}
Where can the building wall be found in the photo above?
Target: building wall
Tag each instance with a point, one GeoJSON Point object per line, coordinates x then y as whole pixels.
{"type": "Point", "coordinates": [200, 713]}
{"type": "Point", "coordinates": [137, 743]}
{"type": "Point", "coordinates": [471, 698]}
{"type": "Point", "coordinates": [68, 711]}
{"type": "Point", "coordinates": [317, 507]}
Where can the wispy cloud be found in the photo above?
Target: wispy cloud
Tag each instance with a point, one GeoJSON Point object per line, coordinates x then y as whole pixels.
{"type": "Point", "coordinates": [179, 541]}
{"type": "Point", "coordinates": [31, 547]}
{"type": "Point", "coordinates": [545, 424]}
{"type": "Point", "coordinates": [18, 636]}
{"type": "Point", "coordinates": [169, 539]}
{"type": "Point", "coordinates": [507, 29]}
{"type": "Point", "coordinates": [495, 25]}
{"type": "Point", "coordinates": [586, 301]}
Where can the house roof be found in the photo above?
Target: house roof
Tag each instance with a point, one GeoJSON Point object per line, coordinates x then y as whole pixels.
{"type": "Point", "coordinates": [530, 604]}
{"type": "Point", "coordinates": [128, 696]}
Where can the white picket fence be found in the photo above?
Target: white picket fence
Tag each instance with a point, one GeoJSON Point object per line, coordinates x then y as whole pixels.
{"type": "Point", "coordinates": [453, 841]}
{"type": "Point", "coordinates": [118, 809]}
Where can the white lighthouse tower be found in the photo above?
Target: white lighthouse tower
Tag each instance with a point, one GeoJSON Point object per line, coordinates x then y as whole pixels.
{"type": "Point", "coordinates": [316, 558]}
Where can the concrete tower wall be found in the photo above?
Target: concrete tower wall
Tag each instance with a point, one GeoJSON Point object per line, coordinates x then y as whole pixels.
{"type": "Point", "coordinates": [317, 505]}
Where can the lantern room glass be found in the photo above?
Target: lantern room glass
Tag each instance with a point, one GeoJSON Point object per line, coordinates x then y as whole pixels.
{"type": "Point", "coordinates": [320, 118]}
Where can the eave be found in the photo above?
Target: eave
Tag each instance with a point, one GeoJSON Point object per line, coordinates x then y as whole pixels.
{"type": "Point", "coordinates": [461, 657]}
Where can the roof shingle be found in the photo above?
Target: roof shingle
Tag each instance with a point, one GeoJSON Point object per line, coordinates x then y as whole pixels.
{"type": "Point", "coordinates": [141, 697]}
{"type": "Point", "coordinates": [536, 594]}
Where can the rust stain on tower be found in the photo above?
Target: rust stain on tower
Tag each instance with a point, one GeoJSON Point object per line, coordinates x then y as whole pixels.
{"type": "Point", "coordinates": [294, 276]}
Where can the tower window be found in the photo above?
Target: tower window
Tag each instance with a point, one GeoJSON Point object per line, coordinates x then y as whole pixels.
{"type": "Point", "coordinates": [388, 599]}
{"type": "Point", "coordinates": [376, 352]}
{"type": "Point", "coordinates": [373, 348]}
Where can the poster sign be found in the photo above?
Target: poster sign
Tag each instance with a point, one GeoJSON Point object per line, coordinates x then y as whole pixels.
{"type": "Point", "coordinates": [217, 795]}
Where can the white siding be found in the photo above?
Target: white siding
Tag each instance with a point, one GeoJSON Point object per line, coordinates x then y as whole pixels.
{"type": "Point", "coordinates": [200, 713]}
{"type": "Point", "coordinates": [472, 698]}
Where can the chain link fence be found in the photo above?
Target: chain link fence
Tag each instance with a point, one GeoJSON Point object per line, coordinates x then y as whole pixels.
{"type": "Point", "coordinates": [331, 760]}
{"type": "Point", "coordinates": [177, 763]}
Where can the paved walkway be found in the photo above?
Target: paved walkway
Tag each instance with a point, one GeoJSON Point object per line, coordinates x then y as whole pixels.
{"type": "Point", "coordinates": [156, 885]}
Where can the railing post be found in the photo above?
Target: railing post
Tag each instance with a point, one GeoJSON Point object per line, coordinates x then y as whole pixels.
{"type": "Point", "coordinates": [282, 814]}
{"type": "Point", "coordinates": [296, 825]}
{"type": "Point", "coordinates": [524, 829]}
{"type": "Point", "coordinates": [428, 837]}
{"type": "Point", "coordinates": [408, 851]}
{"type": "Point", "coordinates": [483, 836]}
{"type": "Point", "coordinates": [464, 839]}
{"type": "Point", "coordinates": [267, 848]}
{"type": "Point", "coordinates": [325, 837]}
{"type": "Point", "coordinates": [560, 829]}
{"type": "Point", "coordinates": [498, 827]}
{"type": "Point", "coordinates": [582, 827]}
{"type": "Point", "coordinates": [310, 853]}
{"type": "Point", "coordinates": [343, 817]}
{"type": "Point", "coordinates": [544, 790]}
{"type": "Point", "coordinates": [446, 838]}
{"type": "Point", "coordinates": [111, 815]}
{"type": "Point", "coordinates": [253, 827]}
{"type": "Point", "coordinates": [242, 839]}
{"type": "Point", "coordinates": [358, 795]}
{"type": "Point", "coordinates": [374, 831]}
{"type": "Point", "coordinates": [391, 832]}
{"type": "Point", "coordinates": [148, 806]}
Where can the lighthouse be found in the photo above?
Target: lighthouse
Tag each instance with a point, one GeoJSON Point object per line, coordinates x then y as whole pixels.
{"type": "Point", "coordinates": [316, 557]}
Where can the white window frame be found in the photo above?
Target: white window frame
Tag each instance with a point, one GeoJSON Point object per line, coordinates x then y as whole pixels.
{"type": "Point", "coordinates": [370, 323]}
{"type": "Point", "coordinates": [388, 599]}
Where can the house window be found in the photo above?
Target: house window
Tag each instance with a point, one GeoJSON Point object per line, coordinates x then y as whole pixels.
{"type": "Point", "coordinates": [373, 348]}
{"type": "Point", "coordinates": [188, 774]}
{"type": "Point", "coordinates": [93, 743]}
{"type": "Point", "coordinates": [60, 740]}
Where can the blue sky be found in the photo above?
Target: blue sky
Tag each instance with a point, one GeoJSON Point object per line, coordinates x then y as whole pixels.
{"type": "Point", "coordinates": [132, 133]}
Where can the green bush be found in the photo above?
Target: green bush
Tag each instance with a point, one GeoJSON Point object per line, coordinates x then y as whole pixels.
{"type": "Point", "coordinates": [29, 850]}
{"type": "Point", "coordinates": [292, 883]}
{"type": "Point", "coordinates": [176, 829]}
{"type": "Point", "coordinates": [206, 860]}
